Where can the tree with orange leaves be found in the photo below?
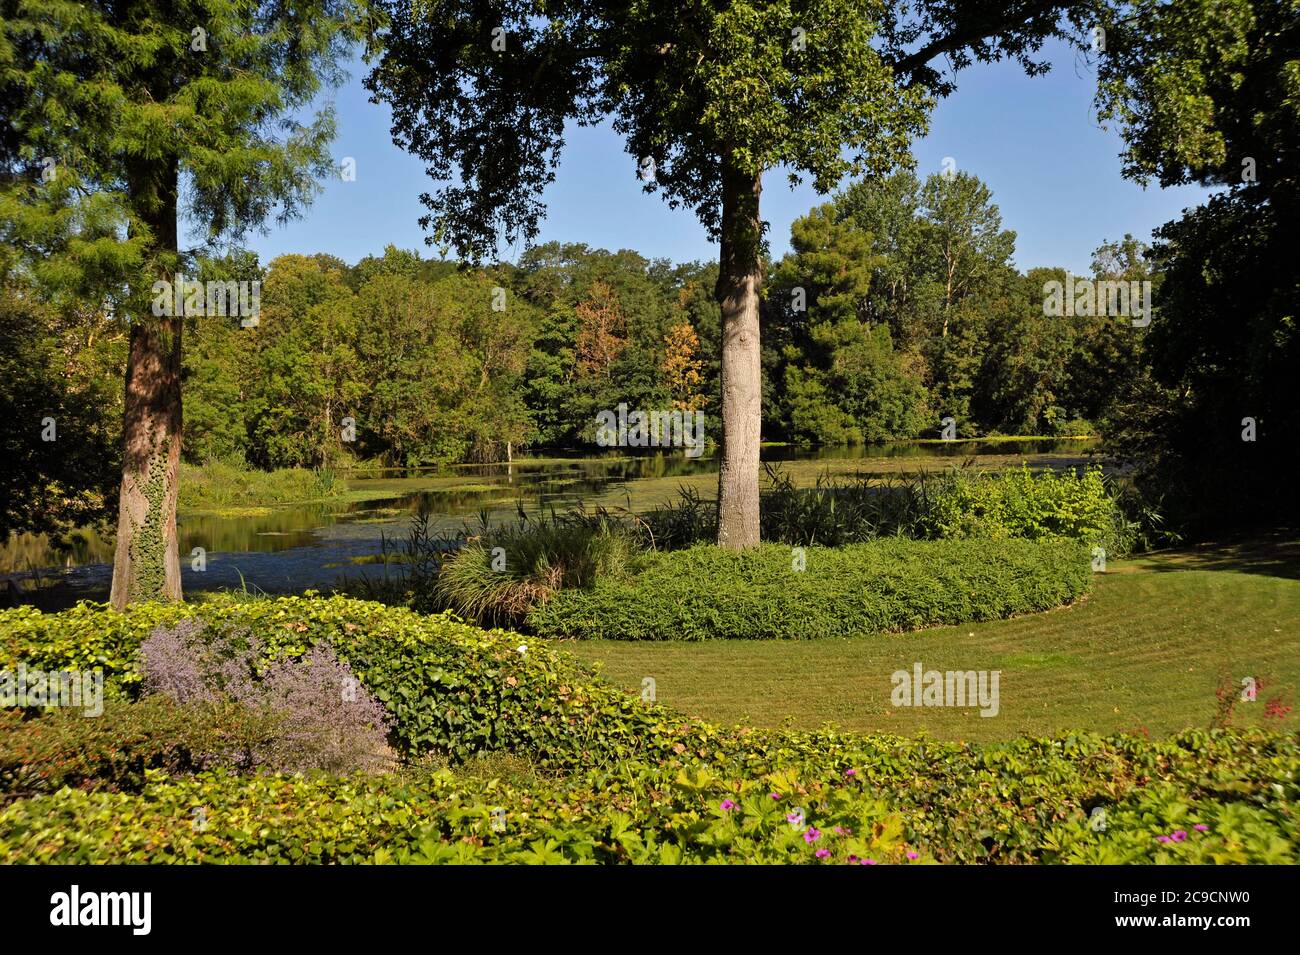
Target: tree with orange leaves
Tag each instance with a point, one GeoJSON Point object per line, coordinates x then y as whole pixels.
{"type": "Point", "coordinates": [683, 372]}
{"type": "Point", "coordinates": [601, 331]}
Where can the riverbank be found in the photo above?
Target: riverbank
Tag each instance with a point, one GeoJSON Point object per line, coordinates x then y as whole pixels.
{"type": "Point", "coordinates": [291, 530]}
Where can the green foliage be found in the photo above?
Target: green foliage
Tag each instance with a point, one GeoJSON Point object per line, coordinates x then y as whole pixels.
{"type": "Point", "coordinates": [502, 572]}
{"type": "Point", "coordinates": [595, 775]}
{"type": "Point", "coordinates": [222, 483]}
{"type": "Point", "coordinates": [882, 799]}
{"type": "Point", "coordinates": [1198, 87]}
{"type": "Point", "coordinates": [116, 749]}
{"type": "Point", "coordinates": [415, 353]}
{"type": "Point", "coordinates": [449, 687]}
{"type": "Point", "coordinates": [48, 376]}
{"type": "Point", "coordinates": [1083, 506]}
{"type": "Point", "coordinates": [148, 546]}
{"type": "Point", "coordinates": [1051, 505]}
{"type": "Point", "coordinates": [843, 381]}
{"type": "Point", "coordinates": [1207, 93]}
{"type": "Point", "coordinates": [446, 369]}
{"type": "Point", "coordinates": [1201, 423]}
{"type": "Point", "coordinates": [706, 593]}
{"type": "Point", "coordinates": [153, 102]}
{"type": "Point", "coordinates": [689, 88]}
{"type": "Point", "coordinates": [88, 636]}
{"type": "Point", "coordinates": [417, 357]}
{"type": "Point", "coordinates": [915, 312]}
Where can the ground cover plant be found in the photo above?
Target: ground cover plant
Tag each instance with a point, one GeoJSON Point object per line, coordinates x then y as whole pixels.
{"type": "Point", "coordinates": [779, 592]}
{"type": "Point", "coordinates": [619, 779]}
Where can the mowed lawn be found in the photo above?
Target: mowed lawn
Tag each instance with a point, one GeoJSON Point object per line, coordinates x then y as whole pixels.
{"type": "Point", "coordinates": [1144, 652]}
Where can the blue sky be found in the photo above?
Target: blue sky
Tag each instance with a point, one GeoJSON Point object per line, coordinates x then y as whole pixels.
{"type": "Point", "coordinates": [1054, 173]}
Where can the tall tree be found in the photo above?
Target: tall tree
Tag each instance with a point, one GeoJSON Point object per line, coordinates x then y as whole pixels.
{"type": "Point", "coordinates": [309, 375]}
{"type": "Point", "coordinates": [601, 331]}
{"type": "Point", "coordinates": [138, 111]}
{"type": "Point", "coordinates": [1209, 92]}
{"type": "Point", "coordinates": [842, 380]}
{"type": "Point", "coordinates": [709, 97]}
{"type": "Point", "coordinates": [943, 263]}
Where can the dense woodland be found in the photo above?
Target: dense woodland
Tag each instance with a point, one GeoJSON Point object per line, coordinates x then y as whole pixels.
{"type": "Point", "coordinates": [913, 311]}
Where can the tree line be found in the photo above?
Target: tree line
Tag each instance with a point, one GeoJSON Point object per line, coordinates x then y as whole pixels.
{"type": "Point", "coordinates": [898, 306]}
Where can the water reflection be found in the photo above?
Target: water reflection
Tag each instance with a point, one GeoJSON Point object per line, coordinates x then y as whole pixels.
{"type": "Point", "coordinates": [290, 548]}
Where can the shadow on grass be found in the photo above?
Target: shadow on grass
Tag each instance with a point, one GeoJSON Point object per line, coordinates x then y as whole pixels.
{"type": "Point", "coordinates": [1269, 553]}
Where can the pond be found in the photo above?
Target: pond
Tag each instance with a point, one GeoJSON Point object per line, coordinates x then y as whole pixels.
{"type": "Point", "coordinates": [291, 548]}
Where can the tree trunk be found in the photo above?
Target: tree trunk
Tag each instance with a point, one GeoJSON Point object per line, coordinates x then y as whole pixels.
{"type": "Point", "coordinates": [146, 565]}
{"type": "Point", "coordinates": [739, 278]}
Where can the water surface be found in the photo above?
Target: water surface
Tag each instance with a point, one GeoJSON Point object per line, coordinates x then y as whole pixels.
{"type": "Point", "coordinates": [291, 548]}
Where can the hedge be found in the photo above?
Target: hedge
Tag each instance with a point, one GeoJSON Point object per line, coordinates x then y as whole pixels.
{"type": "Point", "coordinates": [889, 585]}
{"type": "Point", "coordinates": [450, 687]}
{"type": "Point", "coordinates": [1202, 798]}
{"type": "Point", "coordinates": [626, 781]}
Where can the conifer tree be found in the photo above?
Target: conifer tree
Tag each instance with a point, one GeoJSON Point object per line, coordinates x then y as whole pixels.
{"type": "Point", "coordinates": [117, 119]}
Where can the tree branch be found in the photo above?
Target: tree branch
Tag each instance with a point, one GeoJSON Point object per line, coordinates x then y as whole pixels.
{"type": "Point", "coordinates": [961, 37]}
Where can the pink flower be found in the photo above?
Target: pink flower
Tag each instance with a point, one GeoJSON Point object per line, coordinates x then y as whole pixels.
{"type": "Point", "coordinates": [811, 835]}
{"type": "Point", "coordinates": [727, 805]}
{"type": "Point", "coordinates": [913, 855]}
{"type": "Point", "coordinates": [774, 795]}
{"type": "Point", "coordinates": [850, 772]}
{"type": "Point", "coordinates": [1180, 835]}
{"type": "Point", "coordinates": [853, 858]}
{"type": "Point", "coordinates": [793, 818]}
{"type": "Point", "coordinates": [1163, 839]}
{"type": "Point", "coordinates": [868, 861]}
{"type": "Point", "coordinates": [841, 831]}
{"type": "Point", "coordinates": [823, 853]}
{"type": "Point", "coordinates": [1201, 827]}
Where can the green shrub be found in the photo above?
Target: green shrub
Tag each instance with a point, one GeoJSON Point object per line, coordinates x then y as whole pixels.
{"type": "Point", "coordinates": [706, 592]}
{"type": "Point", "coordinates": [115, 749]}
{"type": "Point", "coordinates": [449, 687]}
{"type": "Point", "coordinates": [1050, 505]}
{"type": "Point", "coordinates": [88, 637]}
{"type": "Point", "coordinates": [1075, 428]}
{"type": "Point", "coordinates": [851, 509]}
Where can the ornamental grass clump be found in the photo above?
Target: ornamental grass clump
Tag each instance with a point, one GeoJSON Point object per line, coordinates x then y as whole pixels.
{"type": "Point", "coordinates": [502, 573]}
